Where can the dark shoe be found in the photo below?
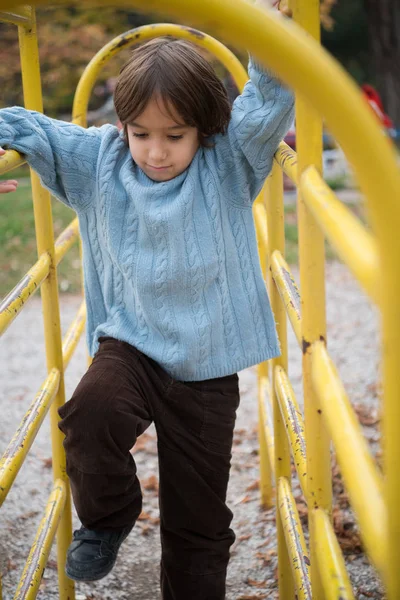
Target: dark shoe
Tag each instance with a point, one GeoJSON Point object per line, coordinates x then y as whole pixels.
{"type": "Point", "coordinates": [92, 554]}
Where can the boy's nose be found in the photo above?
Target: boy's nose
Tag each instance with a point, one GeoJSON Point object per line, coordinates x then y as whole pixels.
{"type": "Point", "coordinates": [157, 152]}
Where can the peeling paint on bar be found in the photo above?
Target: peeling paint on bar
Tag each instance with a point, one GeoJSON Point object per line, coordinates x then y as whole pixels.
{"type": "Point", "coordinates": [288, 291]}
{"type": "Point", "coordinates": [15, 300]}
{"type": "Point", "coordinates": [40, 550]}
{"type": "Point", "coordinates": [294, 422]}
{"type": "Point", "coordinates": [20, 444]}
{"type": "Point", "coordinates": [294, 537]}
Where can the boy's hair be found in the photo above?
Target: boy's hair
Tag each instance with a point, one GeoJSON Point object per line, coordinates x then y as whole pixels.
{"type": "Point", "coordinates": [173, 70]}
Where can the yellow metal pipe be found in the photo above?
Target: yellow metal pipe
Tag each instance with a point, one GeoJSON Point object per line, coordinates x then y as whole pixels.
{"type": "Point", "coordinates": [353, 243]}
{"type": "Point", "coordinates": [138, 36]}
{"type": "Point", "coordinates": [49, 293]}
{"type": "Point", "coordinates": [362, 478]}
{"type": "Point", "coordinates": [266, 440]}
{"type": "Point", "coordinates": [267, 413]}
{"type": "Point", "coordinates": [65, 240]}
{"type": "Point", "coordinates": [18, 448]}
{"type": "Point", "coordinates": [287, 160]}
{"type": "Point", "coordinates": [73, 334]}
{"type": "Point", "coordinates": [266, 447]}
{"type": "Point", "coordinates": [33, 572]}
{"type": "Point", "coordinates": [332, 568]}
{"type": "Point", "coordinates": [276, 241]}
{"type": "Point", "coordinates": [298, 553]}
{"type": "Point", "coordinates": [294, 424]}
{"type": "Point", "coordinates": [312, 285]}
{"type": "Point", "coordinates": [265, 435]}
{"type": "Point", "coordinates": [11, 160]}
{"type": "Point", "coordinates": [260, 219]}
{"type": "Point", "coordinates": [288, 291]}
{"type": "Point", "coordinates": [14, 302]}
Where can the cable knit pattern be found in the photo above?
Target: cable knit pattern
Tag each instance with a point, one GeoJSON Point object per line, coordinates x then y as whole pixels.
{"type": "Point", "coordinates": [246, 269]}
{"type": "Point", "coordinates": [163, 299]}
{"type": "Point", "coordinates": [196, 274]}
{"type": "Point", "coordinates": [228, 310]}
{"type": "Point", "coordinates": [171, 268]}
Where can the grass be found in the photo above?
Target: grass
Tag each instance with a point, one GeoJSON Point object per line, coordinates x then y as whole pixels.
{"type": "Point", "coordinates": [18, 243]}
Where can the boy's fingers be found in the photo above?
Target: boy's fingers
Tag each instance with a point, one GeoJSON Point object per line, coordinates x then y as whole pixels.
{"type": "Point", "coordinates": [282, 6]}
{"type": "Point", "coordinates": [8, 186]}
{"type": "Point", "coordinates": [2, 151]}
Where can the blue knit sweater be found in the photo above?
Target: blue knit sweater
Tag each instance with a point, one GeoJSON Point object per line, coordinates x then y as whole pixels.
{"type": "Point", "coordinates": [172, 268]}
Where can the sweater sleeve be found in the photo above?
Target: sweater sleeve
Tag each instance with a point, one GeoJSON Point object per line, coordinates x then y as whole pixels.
{"type": "Point", "coordinates": [261, 116]}
{"type": "Point", "coordinates": [64, 155]}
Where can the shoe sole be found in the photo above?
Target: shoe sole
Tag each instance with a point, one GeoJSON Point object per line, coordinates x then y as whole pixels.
{"type": "Point", "coordinates": [92, 578]}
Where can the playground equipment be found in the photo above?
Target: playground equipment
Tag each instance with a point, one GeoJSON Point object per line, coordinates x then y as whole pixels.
{"type": "Point", "coordinates": [323, 90]}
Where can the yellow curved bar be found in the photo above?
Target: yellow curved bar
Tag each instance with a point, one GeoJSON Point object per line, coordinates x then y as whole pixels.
{"type": "Point", "coordinates": [364, 482]}
{"type": "Point", "coordinates": [137, 36]}
{"type": "Point", "coordinates": [332, 569]}
{"type": "Point", "coordinates": [33, 572]}
{"type": "Point", "coordinates": [351, 240]}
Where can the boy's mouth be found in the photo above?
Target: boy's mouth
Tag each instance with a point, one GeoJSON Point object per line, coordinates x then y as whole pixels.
{"type": "Point", "coordinates": [159, 168]}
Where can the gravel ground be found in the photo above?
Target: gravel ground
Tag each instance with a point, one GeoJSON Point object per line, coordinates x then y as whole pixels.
{"type": "Point", "coordinates": [353, 343]}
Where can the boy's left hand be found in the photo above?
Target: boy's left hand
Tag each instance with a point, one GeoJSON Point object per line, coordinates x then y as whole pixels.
{"type": "Point", "coordinates": [11, 184]}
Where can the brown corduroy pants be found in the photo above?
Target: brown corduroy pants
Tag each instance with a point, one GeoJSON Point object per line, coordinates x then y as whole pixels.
{"type": "Point", "coordinates": [121, 394]}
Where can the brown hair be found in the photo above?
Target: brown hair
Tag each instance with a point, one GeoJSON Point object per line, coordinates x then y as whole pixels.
{"type": "Point", "coordinates": [173, 70]}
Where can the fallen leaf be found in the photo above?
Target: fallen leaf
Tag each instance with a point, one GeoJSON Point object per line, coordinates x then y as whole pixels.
{"type": "Point", "coordinates": [255, 583]}
{"type": "Point", "coordinates": [253, 486]}
{"type": "Point", "coordinates": [151, 483]}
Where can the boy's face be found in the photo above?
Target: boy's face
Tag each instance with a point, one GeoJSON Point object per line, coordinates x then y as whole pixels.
{"type": "Point", "coordinates": [160, 143]}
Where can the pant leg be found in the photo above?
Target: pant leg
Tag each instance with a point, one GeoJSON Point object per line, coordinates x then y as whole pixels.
{"type": "Point", "coordinates": [195, 431]}
{"type": "Point", "coordinates": [101, 422]}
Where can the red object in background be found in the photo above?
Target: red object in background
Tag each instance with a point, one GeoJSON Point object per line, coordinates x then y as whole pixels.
{"type": "Point", "coordinates": [374, 100]}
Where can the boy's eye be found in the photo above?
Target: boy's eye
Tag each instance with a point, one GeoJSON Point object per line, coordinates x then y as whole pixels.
{"type": "Point", "coordinates": [139, 135]}
{"type": "Point", "coordinates": [175, 137]}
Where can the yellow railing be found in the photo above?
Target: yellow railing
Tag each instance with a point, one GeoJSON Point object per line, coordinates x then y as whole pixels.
{"type": "Point", "coordinates": [323, 91]}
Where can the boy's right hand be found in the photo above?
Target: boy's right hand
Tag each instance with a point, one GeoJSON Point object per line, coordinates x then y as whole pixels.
{"type": "Point", "coordinates": [9, 185]}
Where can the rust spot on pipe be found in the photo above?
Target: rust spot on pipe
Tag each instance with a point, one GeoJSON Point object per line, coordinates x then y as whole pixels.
{"type": "Point", "coordinates": [305, 345]}
{"type": "Point", "coordinates": [195, 32]}
{"type": "Point", "coordinates": [125, 39]}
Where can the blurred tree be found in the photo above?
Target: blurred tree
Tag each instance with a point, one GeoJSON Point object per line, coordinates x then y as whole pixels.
{"type": "Point", "coordinates": [68, 39]}
{"type": "Point", "coordinates": [365, 36]}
